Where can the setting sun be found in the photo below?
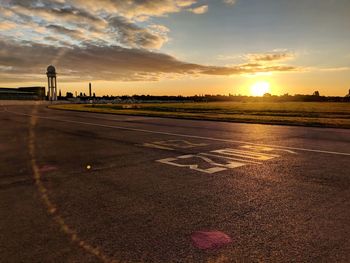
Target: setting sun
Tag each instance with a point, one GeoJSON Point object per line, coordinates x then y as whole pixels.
{"type": "Point", "coordinates": [260, 88]}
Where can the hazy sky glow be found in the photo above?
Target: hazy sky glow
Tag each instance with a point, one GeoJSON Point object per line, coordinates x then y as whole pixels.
{"type": "Point", "coordinates": [185, 47]}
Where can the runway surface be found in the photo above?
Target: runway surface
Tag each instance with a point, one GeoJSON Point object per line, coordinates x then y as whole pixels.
{"type": "Point", "coordinates": [86, 187]}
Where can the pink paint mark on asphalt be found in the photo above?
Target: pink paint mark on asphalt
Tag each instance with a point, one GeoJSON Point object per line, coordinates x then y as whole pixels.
{"type": "Point", "coordinates": [210, 240]}
{"type": "Point", "coordinates": [47, 168]}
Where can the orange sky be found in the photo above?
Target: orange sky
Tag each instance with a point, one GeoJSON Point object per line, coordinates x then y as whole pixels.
{"type": "Point", "coordinates": [178, 47]}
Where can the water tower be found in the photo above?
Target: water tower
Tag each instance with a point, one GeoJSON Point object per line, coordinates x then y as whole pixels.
{"type": "Point", "coordinates": [51, 82]}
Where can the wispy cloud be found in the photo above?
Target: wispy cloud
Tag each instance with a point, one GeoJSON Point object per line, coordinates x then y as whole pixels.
{"type": "Point", "coordinates": [277, 55]}
{"type": "Point", "coordinates": [199, 10]}
{"type": "Point", "coordinates": [230, 2]}
{"type": "Point", "coordinates": [334, 69]}
{"type": "Point", "coordinates": [6, 25]}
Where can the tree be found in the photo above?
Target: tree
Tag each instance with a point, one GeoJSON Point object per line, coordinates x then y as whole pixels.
{"type": "Point", "coordinates": [316, 93]}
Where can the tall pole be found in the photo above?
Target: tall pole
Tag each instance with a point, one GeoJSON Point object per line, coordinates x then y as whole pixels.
{"type": "Point", "coordinates": [55, 87]}
{"type": "Point", "coordinates": [48, 89]}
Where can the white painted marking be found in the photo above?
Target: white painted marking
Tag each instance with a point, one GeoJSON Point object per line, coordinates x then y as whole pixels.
{"type": "Point", "coordinates": [166, 145]}
{"type": "Point", "coordinates": [184, 135]}
{"type": "Point", "coordinates": [225, 162]}
{"type": "Point", "coordinates": [216, 167]}
{"type": "Point", "coordinates": [171, 144]}
{"type": "Point", "coordinates": [151, 145]}
{"type": "Point", "coordinates": [182, 144]}
{"type": "Point", "coordinates": [231, 158]}
{"type": "Point", "coordinates": [245, 154]}
{"type": "Point", "coordinates": [171, 161]}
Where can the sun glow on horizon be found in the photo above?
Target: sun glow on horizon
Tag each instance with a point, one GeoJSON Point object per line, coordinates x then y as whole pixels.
{"type": "Point", "coordinates": [260, 88]}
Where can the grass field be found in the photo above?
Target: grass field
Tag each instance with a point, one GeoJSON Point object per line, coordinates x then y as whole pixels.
{"type": "Point", "coordinates": [317, 114]}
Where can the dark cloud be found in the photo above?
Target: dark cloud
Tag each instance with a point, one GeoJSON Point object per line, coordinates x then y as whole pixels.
{"type": "Point", "coordinates": [107, 63]}
{"type": "Point", "coordinates": [101, 41]}
{"type": "Point", "coordinates": [53, 11]}
{"type": "Point", "coordinates": [138, 9]}
{"type": "Point", "coordinates": [73, 33]}
{"type": "Point", "coordinates": [73, 20]}
{"type": "Point", "coordinates": [132, 35]}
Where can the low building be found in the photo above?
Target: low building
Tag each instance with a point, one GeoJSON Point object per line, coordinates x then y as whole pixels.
{"type": "Point", "coordinates": [23, 93]}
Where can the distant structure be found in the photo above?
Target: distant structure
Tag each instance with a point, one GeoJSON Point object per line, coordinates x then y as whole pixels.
{"type": "Point", "coordinates": [90, 89]}
{"type": "Point", "coordinates": [23, 93]}
{"type": "Point", "coordinates": [52, 83]}
{"type": "Point", "coordinates": [316, 93]}
{"type": "Point", "coordinates": [348, 95]}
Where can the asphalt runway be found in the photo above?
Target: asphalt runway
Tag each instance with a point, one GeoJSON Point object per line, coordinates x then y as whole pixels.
{"type": "Point", "coordinates": [86, 187]}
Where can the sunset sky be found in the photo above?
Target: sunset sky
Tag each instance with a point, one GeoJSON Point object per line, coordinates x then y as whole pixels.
{"type": "Point", "coordinates": [179, 47]}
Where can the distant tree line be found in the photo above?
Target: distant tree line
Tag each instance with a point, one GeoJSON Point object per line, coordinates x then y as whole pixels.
{"type": "Point", "coordinates": [315, 97]}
